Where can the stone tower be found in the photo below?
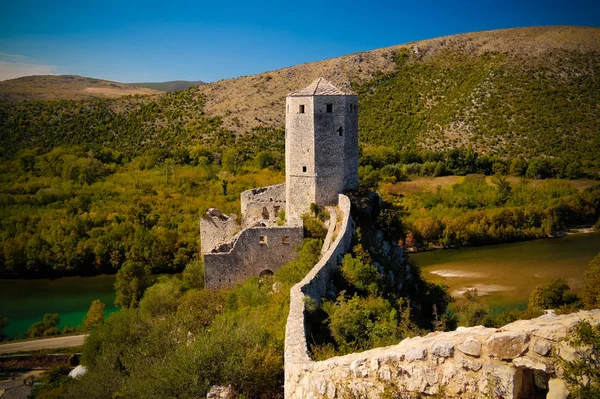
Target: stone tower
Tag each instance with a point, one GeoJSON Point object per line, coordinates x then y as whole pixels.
{"type": "Point", "coordinates": [321, 146]}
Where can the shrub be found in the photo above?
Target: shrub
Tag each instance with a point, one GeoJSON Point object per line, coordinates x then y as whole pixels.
{"type": "Point", "coordinates": [48, 324]}
{"type": "Point", "coordinates": [583, 375]}
{"type": "Point", "coordinates": [590, 295]}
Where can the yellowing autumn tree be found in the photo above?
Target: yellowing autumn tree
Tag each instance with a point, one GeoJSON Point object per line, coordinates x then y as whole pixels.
{"type": "Point", "coordinates": [95, 315]}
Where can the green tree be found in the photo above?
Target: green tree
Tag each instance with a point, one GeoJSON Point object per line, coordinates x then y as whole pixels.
{"type": "Point", "coordinates": [45, 327]}
{"type": "Point", "coordinates": [473, 311]}
{"type": "Point", "coordinates": [95, 315]}
{"type": "Point", "coordinates": [518, 167]}
{"type": "Point", "coordinates": [193, 275]}
{"type": "Point", "coordinates": [231, 160]}
{"type": "Point", "coordinates": [590, 295]}
{"type": "Point", "coordinates": [551, 296]}
{"type": "Point", "coordinates": [161, 298]}
{"type": "Point", "coordinates": [130, 283]}
{"type": "Point", "coordinates": [363, 276]}
{"type": "Point", "coordinates": [264, 159]}
{"type": "Point", "coordinates": [583, 374]}
{"type": "Point", "coordinates": [573, 170]}
{"type": "Point", "coordinates": [504, 188]}
{"type": "Point", "coordinates": [539, 168]}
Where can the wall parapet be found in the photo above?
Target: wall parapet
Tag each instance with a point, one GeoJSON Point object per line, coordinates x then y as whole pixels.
{"type": "Point", "coordinates": [512, 362]}
{"type": "Point", "coordinates": [314, 285]}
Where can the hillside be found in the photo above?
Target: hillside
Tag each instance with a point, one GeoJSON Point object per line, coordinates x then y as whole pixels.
{"type": "Point", "coordinates": [503, 91]}
{"type": "Point", "coordinates": [526, 91]}
{"type": "Point", "coordinates": [65, 87]}
{"type": "Point", "coordinates": [171, 85]}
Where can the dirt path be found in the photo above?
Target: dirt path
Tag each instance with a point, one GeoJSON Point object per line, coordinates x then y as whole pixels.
{"type": "Point", "coordinates": [48, 343]}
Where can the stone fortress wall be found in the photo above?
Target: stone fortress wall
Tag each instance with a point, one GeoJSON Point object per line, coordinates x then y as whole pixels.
{"type": "Point", "coordinates": [511, 362]}
{"type": "Point", "coordinates": [216, 228]}
{"type": "Point", "coordinates": [261, 205]}
{"type": "Point", "coordinates": [321, 147]}
{"type": "Point", "coordinates": [254, 251]}
{"type": "Point", "coordinates": [314, 285]}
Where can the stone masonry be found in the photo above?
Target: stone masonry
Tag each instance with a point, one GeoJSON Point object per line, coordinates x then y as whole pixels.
{"type": "Point", "coordinates": [512, 362]}
{"type": "Point", "coordinates": [321, 163]}
{"type": "Point", "coordinates": [321, 146]}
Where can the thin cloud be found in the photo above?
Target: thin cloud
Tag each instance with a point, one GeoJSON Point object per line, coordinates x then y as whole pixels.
{"type": "Point", "coordinates": [12, 56]}
{"type": "Point", "coordinates": [13, 70]}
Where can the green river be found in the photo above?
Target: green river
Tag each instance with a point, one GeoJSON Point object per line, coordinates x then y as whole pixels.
{"type": "Point", "coordinates": [506, 274]}
{"type": "Point", "coordinates": [24, 302]}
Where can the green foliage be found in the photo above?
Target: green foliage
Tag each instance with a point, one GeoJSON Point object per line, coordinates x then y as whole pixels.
{"type": "Point", "coordinates": [313, 227]}
{"type": "Point", "coordinates": [583, 375]}
{"type": "Point", "coordinates": [45, 327]}
{"type": "Point", "coordinates": [474, 212]}
{"type": "Point", "coordinates": [473, 311]}
{"type": "Point", "coordinates": [590, 295]}
{"type": "Point", "coordinates": [198, 308]}
{"type": "Point", "coordinates": [131, 281]}
{"type": "Point", "coordinates": [372, 308]}
{"type": "Point", "coordinates": [505, 105]}
{"type": "Point", "coordinates": [95, 315]}
{"type": "Point", "coordinates": [552, 295]}
{"type": "Point", "coordinates": [161, 298]}
{"type": "Point", "coordinates": [179, 344]}
{"type": "Point", "coordinates": [363, 277]}
{"type": "Point", "coordinates": [363, 323]}
{"type": "Point", "coordinates": [193, 275]}
{"type": "Point", "coordinates": [54, 224]}
{"type": "Point", "coordinates": [298, 268]}
{"type": "Point", "coordinates": [52, 383]}
{"type": "Point", "coordinates": [281, 217]}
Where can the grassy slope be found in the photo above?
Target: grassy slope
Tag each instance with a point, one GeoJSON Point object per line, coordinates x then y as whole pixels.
{"type": "Point", "coordinates": [65, 87]}
{"type": "Point", "coordinates": [529, 91]}
{"type": "Point", "coordinates": [262, 96]}
{"type": "Point", "coordinates": [170, 85]}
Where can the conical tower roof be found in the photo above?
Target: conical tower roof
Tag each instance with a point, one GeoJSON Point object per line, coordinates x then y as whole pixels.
{"type": "Point", "coordinates": [322, 87]}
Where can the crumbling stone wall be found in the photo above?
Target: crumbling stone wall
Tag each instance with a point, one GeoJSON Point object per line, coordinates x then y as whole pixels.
{"type": "Point", "coordinates": [215, 229]}
{"type": "Point", "coordinates": [261, 205]}
{"type": "Point", "coordinates": [251, 252]}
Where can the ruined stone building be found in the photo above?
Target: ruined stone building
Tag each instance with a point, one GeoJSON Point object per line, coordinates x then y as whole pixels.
{"type": "Point", "coordinates": [321, 161]}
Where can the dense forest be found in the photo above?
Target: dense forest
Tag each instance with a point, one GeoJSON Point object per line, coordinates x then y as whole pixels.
{"type": "Point", "coordinates": [83, 200]}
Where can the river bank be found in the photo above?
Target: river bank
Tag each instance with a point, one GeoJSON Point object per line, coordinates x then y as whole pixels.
{"type": "Point", "coordinates": [588, 229]}
{"type": "Point", "coordinates": [505, 274]}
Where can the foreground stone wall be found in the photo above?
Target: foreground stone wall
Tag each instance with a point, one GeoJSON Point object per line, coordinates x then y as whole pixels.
{"type": "Point", "coordinates": [261, 205]}
{"type": "Point", "coordinates": [251, 252]}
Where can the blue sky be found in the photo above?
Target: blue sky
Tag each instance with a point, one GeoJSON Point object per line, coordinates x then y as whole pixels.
{"type": "Point", "coordinates": [131, 41]}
